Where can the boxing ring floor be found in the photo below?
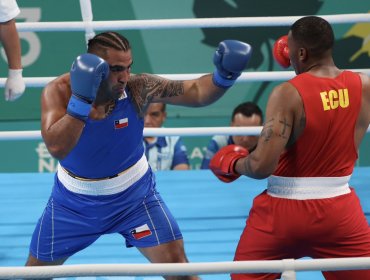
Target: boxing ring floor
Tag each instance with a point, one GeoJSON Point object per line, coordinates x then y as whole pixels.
{"type": "Point", "coordinates": [210, 213]}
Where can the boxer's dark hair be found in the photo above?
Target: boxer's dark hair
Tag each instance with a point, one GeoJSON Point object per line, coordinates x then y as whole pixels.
{"type": "Point", "coordinates": [313, 33]}
{"type": "Point", "coordinates": [105, 40]}
{"type": "Point", "coordinates": [247, 109]}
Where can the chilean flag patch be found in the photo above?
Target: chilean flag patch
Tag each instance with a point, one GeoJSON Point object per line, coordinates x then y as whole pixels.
{"type": "Point", "coordinates": [121, 123]}
{"type": "Point", "coordinates": [141, 232]}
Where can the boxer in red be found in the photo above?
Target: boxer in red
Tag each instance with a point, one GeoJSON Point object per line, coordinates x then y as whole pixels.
{"type": "Point", "coordinates": [307, 149]}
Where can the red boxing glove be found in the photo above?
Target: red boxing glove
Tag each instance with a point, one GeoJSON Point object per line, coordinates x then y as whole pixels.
{"type": "Point", "coordinates": [223, 162]}
{"type": "Point", "coordinates": [281, 51]}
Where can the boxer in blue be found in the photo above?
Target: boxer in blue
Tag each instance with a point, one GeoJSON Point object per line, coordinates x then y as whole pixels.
{"type": "Point", "coordinates": [92, 122]}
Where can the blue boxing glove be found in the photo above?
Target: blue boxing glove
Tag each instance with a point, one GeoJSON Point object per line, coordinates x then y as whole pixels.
{"type": "Point", "coordinates": [230, 59]}
{"type": "Point", "coordinates": [87, 72]}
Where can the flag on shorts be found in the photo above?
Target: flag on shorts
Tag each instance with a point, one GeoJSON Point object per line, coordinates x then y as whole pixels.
{"type": "Point", "coordinates": [141, 232]}
{"type": "Point", "coordinates": [121, 123]}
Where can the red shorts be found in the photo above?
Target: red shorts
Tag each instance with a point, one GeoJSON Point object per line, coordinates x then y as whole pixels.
{"type": "Point", "coordinates": [279, 228]}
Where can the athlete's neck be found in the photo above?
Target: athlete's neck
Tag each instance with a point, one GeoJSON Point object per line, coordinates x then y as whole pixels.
{"type": "Point", "coordinates": [102, 111]}
{"type": "Point", "coordinates": [313, 66]}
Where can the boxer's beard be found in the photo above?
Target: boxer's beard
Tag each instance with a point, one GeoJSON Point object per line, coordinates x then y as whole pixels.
{"type": "Point", "coordinates": [106, 93]}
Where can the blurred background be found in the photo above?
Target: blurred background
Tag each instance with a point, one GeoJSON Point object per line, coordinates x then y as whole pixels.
{"type": "Point", "coordinates": [176, 51]}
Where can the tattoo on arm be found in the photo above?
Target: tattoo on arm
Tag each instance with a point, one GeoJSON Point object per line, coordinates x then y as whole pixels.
{"type": "Point", "coordinates": [159, 87]}
{"type": "Point", "coordinates": [267, 131]}
{"type": "Point", "coordinates": [283, 132]}
{"type": "Point", "coordinates": [173, 88]}
{"type": "Point", "coordinates": [145, 87]}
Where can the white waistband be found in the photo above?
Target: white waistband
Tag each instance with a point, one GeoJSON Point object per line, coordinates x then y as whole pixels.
{"type": "Point", "coordinates": [307, 187]}
{"type": "Point", "coordinates": [106, 186]}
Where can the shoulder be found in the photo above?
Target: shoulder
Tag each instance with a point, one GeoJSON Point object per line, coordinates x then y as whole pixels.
{"type": "Point", "coordinates": [136, 82]}
{"type": "Point", "coordinates": [59, 88]}
{"type": "Point", "coordinates": [143, 81]}
{"type": "Point", "coordinates": [62, 82]}
{"type": "Point", "coordinates": [283, 91]}
{"type": "Point", "coordinates": [136, 79]}
{"type": "Point", "coordinates": [284, 98]}
{"type": "Point", "coordinates": [365, 79]}
{"type": "Point", "coordinates": [144, 87]}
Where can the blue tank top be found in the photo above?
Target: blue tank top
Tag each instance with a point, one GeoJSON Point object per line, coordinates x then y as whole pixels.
{"type": "Point", "coordinates": [108, 146]}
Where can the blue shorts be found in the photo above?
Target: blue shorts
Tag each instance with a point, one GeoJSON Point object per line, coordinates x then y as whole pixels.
{"type": "Point", "coordinates": [72, 222]}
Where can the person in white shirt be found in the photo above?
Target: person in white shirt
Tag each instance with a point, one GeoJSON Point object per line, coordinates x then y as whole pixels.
{"type": "Point", "coordinates": [9, 38]}
{"type": "Point", "coordinates": [165, 152]}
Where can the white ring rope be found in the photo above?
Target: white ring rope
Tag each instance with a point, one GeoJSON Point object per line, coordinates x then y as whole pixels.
{"type": "Point", "coordinates": [87, 17]}
{"type": "Point", "coordinates": [244, 77]}
{"type": "Point", "coordinates": [183, 23]}
{"type": "Point", "coordinates": [177, 131]}
{"type": "Point", "coordinates": [183, 131]}
{"type": "Point", "coordinates": [185, 268]}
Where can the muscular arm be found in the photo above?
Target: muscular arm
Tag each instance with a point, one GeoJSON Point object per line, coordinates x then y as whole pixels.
{"type": "Point", "coordinates": [230, 58]}
{"type": "Point", "coordinates": [364, 115]}
{"type": "Point", "coordinates": [10, 41]}
{"type": "Point", "coordinates": [193, 93]}
{"type": "Point", "coordinates": [281, 111]}
{"type": "Point", "coordinates": [59, 130]}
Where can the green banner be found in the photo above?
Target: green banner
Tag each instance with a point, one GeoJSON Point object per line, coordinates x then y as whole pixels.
{"type": "Point", "coordinates": [166, 51]}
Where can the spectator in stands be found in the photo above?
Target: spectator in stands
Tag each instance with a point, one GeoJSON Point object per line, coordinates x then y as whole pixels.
{"type": "Point", "coordinates": [245, 114]}
{"type": "Point", "coordinates": [165, 152]}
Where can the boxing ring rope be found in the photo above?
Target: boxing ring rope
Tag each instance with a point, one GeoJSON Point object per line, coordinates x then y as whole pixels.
{"type": "Point", "coordinates": [244, 77]}
{"type": "Point", "coordinates": [87, 17]}
{"type": "Point", "coordinates": [89, 26]}
{"type": "Point", "coordinates": [183, 23]}
{"type": "Point", "coordinates": [287, 267]}
{"type": "Point", "coordinates": [183, 131]}
{"type": "Point", "coordinates": [177, 131]}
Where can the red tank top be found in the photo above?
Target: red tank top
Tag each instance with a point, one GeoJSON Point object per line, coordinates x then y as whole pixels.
{"type": "Point", "coordinates": [326, 147]}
